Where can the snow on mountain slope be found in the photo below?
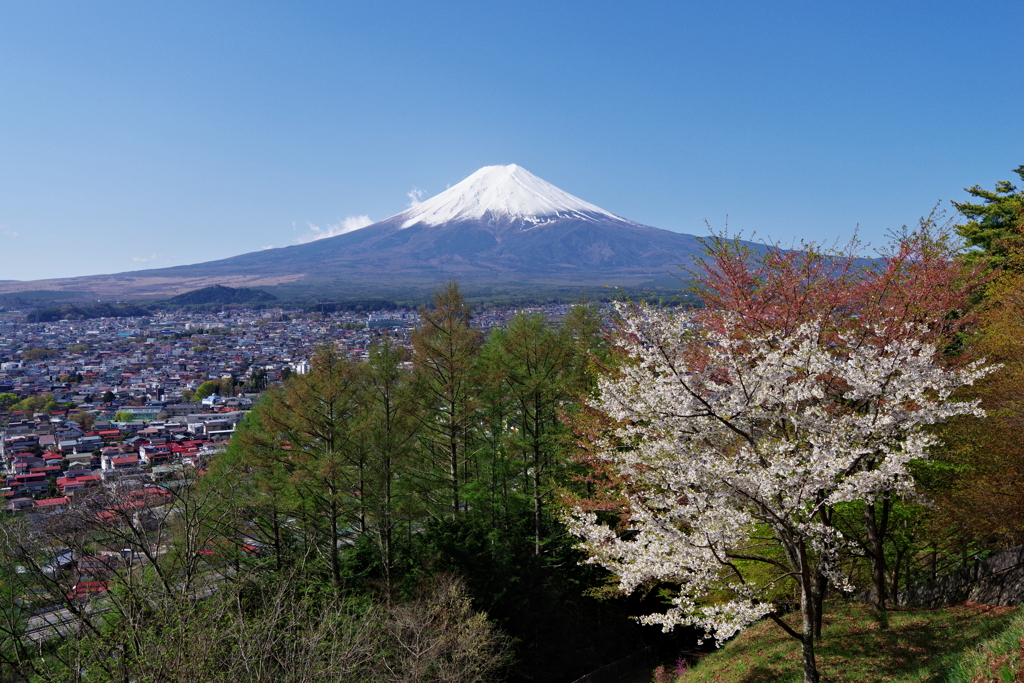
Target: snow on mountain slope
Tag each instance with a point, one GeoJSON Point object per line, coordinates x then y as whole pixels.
{"type": "Point", "coordinates": [500, 193]}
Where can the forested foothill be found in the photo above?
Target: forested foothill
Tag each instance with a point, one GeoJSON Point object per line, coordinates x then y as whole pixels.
{"type": "Point", "coordinates": [503, 506]}
{"type": "Point", "coordinates": [85, 312]}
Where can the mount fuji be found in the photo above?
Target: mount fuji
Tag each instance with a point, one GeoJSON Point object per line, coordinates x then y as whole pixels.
{"type": "Point", "coordinates": [502, 228]}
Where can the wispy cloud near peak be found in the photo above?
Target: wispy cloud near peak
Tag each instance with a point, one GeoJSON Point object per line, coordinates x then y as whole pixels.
{"type": "Point", "coordinates": [332, 230]}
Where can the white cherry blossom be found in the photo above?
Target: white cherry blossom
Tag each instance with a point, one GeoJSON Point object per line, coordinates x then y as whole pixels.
{"type": "Point", "coordinates": [731, 448]}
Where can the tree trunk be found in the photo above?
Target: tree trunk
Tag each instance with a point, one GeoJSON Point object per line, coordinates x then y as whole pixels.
{"type": "Point", "coordinates": [820, 587]}
{"type": "Point", "coordinates": [876, 530]}
{"type": "Point", "coordinates": [810, 664]}
{"type": "Point", "coordinates": [820, 580]}
{"type": "Point", "coordinates": [536, 504]}
{"type": "Point", "coordinates": [894, 590]}
{"type": "Point", "coordinates": [453, 455]}
{"type": "Point", "coordinates": [277, 542]}
{"type": "Point", "coordinates": [537, 455]}
{"type": "Point", "coordinates": [387, 523]}
{"type": "Point", "coordinates": [808, 609]}
{"type": "Point", "coordinates": [335, 563]}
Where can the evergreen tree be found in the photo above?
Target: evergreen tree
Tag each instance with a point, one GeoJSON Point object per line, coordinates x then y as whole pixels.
{"type": "Point", "coordinates": [534, 363]}
{"type": "Point", "coordinates": [445, 349]}
{"type": "Point", "coordinates": [996, 224]}
{"type": "Point", "coordinates": [310, 438]}
{"type": "Point", "coordinates": [391, 423]}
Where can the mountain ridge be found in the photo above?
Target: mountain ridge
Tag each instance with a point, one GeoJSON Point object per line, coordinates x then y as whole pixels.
{"type": "Point", "coordinates": [501, 226]}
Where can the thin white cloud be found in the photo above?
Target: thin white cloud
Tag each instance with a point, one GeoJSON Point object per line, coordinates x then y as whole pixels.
{"type": "Point", "coordinates": [332, 230]}
{"type": "Point", "coordinates": [415, 196]}
{"type": "Point", "coordinates": [144, 259]}
{"type": "Point", "coordinates": [10, 233]}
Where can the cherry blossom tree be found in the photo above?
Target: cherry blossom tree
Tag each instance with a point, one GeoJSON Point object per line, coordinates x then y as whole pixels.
{"type": "Point", "coordinates": [919, 288]}
{"type": "Point", "coordinates": [730, 442]}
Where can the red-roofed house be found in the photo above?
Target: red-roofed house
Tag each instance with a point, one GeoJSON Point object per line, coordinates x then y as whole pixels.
{"type": "Point", "coordinates": [87, 589]}
{"type": "Point", "coordinates": [51, 504]}
{"type": "Point", "coordinates": [125, 462]}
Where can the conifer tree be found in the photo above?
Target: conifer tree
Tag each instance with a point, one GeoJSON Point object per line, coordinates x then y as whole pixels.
{"type": "Point", "coordinates": [309, 436]}
{"type": "Point", "coordinates": [390, 426]}
{"type": "Point", "coordinates": [445, 350]}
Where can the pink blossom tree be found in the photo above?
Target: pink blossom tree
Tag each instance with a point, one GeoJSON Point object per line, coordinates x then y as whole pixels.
{"type": "Point", "coordinates": [732, 436]}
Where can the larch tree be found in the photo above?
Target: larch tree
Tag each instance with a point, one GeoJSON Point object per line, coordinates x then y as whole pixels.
{"type": "Point", "coordinates": [308, 435]}
{"type": "Point", "coordinates": [391, 421]}
{"type": "Point", "coordinates": [734, 432]}
{"type": "Point", "coordinates": [445, 349]}
{"type": "Point", "coordinates": [534, 362]}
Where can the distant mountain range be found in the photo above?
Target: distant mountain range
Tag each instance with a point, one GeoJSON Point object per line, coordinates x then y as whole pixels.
{"type": "Point", "coordinates": [500, 229]}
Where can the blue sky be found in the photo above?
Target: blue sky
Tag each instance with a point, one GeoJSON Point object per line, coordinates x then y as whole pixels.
{"type": "Point", "coordinates": [135, 135]}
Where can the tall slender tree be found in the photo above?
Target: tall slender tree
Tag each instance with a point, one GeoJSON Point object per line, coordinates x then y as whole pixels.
{"type": "Point", "coordinates": [309, 435]}
{"type": "Point", "coordinates": [391, 424]}
{"type": "Point", "coordinates": [535, 361]}
{"type": "Point", "coordinates": [445, 349]}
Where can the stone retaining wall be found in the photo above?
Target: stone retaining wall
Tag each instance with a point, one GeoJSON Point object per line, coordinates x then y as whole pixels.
{"type": "Point", "coordinates": [999, 580]}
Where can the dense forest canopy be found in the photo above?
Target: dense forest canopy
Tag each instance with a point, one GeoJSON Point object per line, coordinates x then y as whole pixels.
{"type": "Point", "coordinates": [85, 312]}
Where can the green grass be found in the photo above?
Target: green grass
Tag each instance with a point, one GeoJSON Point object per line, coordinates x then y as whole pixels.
{"type": "Point", "coordinates": [918, 646]}
{"type": "Point", "coordinates": [998, 659]}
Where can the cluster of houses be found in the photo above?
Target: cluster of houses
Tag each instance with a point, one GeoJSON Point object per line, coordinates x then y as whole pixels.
{"type": "Point", "coordinates": [157, 359]}
{"type": "Point", "coordinates": [141, 372]}
{"type": "Point", "coordinates": [120, 414]}
{"type": "Point", "coordinates": [47, 460]}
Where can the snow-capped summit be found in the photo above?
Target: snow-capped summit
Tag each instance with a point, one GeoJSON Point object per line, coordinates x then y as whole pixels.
{"type": "Point", "coordinates": [502, 231]}
{"type": "Point", "coordinates": [500, 193]}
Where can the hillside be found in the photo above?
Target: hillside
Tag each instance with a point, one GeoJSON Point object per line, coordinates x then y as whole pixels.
{"type": "Point", "coordinates": [918, 645]}
{"type": "Point", "coordinates": [219, 294]}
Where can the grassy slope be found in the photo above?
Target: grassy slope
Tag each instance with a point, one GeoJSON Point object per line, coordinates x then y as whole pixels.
{"type": "Point", "coordinates": [999, 659]}
{"type": "Point", "coordinates": [919, 645]}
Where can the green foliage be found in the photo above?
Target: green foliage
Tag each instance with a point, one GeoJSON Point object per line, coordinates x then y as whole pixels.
{"type": "Point", "coordinates": [534, 366]}
{"type": "Point", "coordinates": [122, 416]}
{"type": "Point", "coordinates": [37, 353]}
{"type": "Point", "coordinates": [996, 224]}
{"type": "Point", "coordinates": [257, 381]}
{"type": "Point", "coordinates": [445, 352]}
{"type": "Point", "coordinates": [43, 403]}
{"type": "Point", "coordinates": [7, 399]}
{"type": "Point", "coordinates": [219, 294]}
{"type": "Point", "coordinates": [205, 389]}
{"type": "Point", "coordinates": [918, 646]}
{"type": "Point", "coordinates": [307, 445]}
{"type": "Point", "coordinates": [75, 312]}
